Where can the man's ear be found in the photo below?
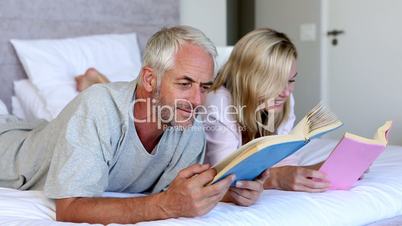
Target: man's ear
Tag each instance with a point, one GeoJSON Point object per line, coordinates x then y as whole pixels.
{"type": "Point", "coordinates": [148, 78]}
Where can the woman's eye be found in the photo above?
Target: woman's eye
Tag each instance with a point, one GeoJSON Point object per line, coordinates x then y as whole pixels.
{"type": "Point", "coordinates": [292, 80]}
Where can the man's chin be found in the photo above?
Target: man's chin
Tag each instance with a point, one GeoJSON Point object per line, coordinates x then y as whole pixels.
{"type": "Point", "coordinates": [182, 124]}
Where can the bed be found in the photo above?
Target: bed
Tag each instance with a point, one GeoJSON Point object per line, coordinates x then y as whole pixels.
{"type": "Point", "coordinates": [376, 200]}
{"type": "Point", "coordinates": [377, 196]}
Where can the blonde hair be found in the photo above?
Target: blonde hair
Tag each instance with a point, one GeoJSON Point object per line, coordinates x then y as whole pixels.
{"type": "Point", "coordinates": [162, 47]}
{"type": "Point", "coordinates": [258, 66]}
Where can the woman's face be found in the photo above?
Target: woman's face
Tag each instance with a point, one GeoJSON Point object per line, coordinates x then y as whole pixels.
{"type": "Point", "coordinates": [281, 99]}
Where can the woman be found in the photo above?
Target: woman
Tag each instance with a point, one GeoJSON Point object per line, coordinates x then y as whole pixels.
{"type": "Point", "coordinates": [252, 97]}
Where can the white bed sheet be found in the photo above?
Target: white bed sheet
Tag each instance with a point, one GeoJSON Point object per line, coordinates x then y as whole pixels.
{"type": "Point", "coordinates": [377, 196]}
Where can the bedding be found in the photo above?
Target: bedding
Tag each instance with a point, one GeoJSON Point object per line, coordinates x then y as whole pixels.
{"type": "Point", "coordinates": [16, 108]}
{"type": "Point", "coordinates": [32, 104]}
{"type": "Point", "coordinates": [52, 64]}
{"type": "Point", "coordinates": [3, 108]}
{"type": "Point", "coordinates": [223, 56]}
{"type": "Point", "coordinates": [377, 196]}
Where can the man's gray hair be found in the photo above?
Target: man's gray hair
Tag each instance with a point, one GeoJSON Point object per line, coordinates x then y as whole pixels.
{"type": "Point", "coordinates": [162, 47]}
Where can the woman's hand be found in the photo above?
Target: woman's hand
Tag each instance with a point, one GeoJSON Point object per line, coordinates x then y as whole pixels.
{"type": "Point", "coordinates": [246, 193]}
{"type": "Point", "coordinates": [297, 178]}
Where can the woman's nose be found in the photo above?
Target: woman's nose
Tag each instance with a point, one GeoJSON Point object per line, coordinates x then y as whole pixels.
{"type": "Point", "coordinates": [286, 92]}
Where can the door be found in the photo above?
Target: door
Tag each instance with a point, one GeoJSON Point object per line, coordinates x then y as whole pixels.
{"type": "Point", "coordinates": [363, 81]}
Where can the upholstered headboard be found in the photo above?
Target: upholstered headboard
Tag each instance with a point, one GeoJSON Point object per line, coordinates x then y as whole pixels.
{"type": "Point", "coordinates": [27, 19]}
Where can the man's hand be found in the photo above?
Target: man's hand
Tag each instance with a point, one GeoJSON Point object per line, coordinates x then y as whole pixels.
{"type": "Point", "coordinates": [246, 193]}
{"type": "Point", "coordinates": [297, 178]}
{"type": "Point", "coordinates": [190, 195]}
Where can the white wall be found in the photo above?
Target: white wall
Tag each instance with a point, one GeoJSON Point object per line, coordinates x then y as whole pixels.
{"type": "Point", "coordinates": [287, 16]}
{"type": "Point", "coordinates": [365, 68]}
{"type": "Point", "coordinates": [207, 15]}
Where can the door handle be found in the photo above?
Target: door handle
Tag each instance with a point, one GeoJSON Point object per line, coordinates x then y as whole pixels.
{"type": "Point", "coordinates": [335, 32]}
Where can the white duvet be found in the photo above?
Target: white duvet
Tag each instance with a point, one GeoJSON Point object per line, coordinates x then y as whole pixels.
{"type": "Point", "coordinates": [377, 196]}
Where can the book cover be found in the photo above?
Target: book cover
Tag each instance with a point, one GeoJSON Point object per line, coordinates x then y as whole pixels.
{"type": "Point", "coordinates": [250, 160]}
{"type": "Point", "coordinates": [352, 156]}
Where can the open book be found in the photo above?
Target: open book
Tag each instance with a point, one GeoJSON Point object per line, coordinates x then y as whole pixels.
{"type": "Point", "coordinates": [352, 156]}
{"type": "Point", "coordinates": [251, 159]}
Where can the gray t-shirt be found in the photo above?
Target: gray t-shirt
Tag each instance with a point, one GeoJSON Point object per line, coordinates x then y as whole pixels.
{"type": "Point", "coordinates": [93, 147]}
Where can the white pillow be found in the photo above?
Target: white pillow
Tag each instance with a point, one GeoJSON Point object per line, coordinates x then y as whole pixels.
{"type": "Point", "coordinates": [223, 55]}
{"type": "Point", "coordinates": [51, 65]}
{"type": "Point", "coordinates": [16, 108]}
{"type": "Point", "coordinates": [31, 102]}
{"type": "Point", "coordinates": [3, 108]}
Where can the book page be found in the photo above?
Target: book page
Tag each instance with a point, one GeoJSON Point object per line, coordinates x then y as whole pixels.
{"type": "Point", "coordinates": [380, 136]}
{"type": "Point", "coordinates": [320, 119]}
{"type": "Point", "coordinates": [382, 132]}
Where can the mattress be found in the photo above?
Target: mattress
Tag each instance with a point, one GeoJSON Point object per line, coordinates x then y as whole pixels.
{"type": "Point", "coordinates": [377, 196]}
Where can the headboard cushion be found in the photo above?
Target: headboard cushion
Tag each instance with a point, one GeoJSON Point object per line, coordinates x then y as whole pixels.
{"type": "Point", "coordinates": [26, 19]}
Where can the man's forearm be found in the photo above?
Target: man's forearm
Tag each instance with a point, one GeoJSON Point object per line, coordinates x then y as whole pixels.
{"type": "Point", "coordinates": [111, 210]}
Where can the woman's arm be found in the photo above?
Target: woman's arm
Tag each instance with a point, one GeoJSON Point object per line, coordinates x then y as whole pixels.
{"type": "Point", "coordinates": [297, 178]}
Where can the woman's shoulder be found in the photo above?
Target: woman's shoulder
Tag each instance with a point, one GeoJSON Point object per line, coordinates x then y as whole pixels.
{"type": "Point", "coordinates": [220, 110]}
{"type": "Point", "coordinates": [218, 101]}
{"type": "Point", "coordinates": [220, 95]}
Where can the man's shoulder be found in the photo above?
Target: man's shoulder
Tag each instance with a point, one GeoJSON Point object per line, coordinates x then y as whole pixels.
{"type": "Point", "coordinates": [109, 90]}
{"type": "Point", "coordinates": [100, 100]}
{"type": "Point", "coordinates": [93, 99]}
{"type": "Point", "coordinates": [102, 95]}
{"type": "Point", "coordinates": [198, 128]}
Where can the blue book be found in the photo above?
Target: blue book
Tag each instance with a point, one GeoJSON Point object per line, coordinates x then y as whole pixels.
{"type": "Point", "coordinates": [251, 159]}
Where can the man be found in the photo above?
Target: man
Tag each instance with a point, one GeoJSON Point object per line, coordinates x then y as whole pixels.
{"type": "Point", "coordinates": [133, 137]}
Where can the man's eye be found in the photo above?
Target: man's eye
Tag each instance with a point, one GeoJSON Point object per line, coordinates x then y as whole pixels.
{"type": "Point", "coordinates": [205, 88]}
{"type": "Point", "coordinates": [184, 84]}
{"type": "Point", "coordinates": [292, 80]}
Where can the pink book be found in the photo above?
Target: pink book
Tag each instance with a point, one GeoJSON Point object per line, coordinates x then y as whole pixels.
{"type": "Point", "coordinates": [352, 156]}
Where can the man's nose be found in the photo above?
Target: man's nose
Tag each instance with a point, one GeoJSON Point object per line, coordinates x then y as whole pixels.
{"type": "Point", "coordinates": [196, 96]}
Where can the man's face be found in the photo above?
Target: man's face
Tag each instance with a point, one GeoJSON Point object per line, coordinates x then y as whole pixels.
{"type": "Point", "coordinates": [183, 89]}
